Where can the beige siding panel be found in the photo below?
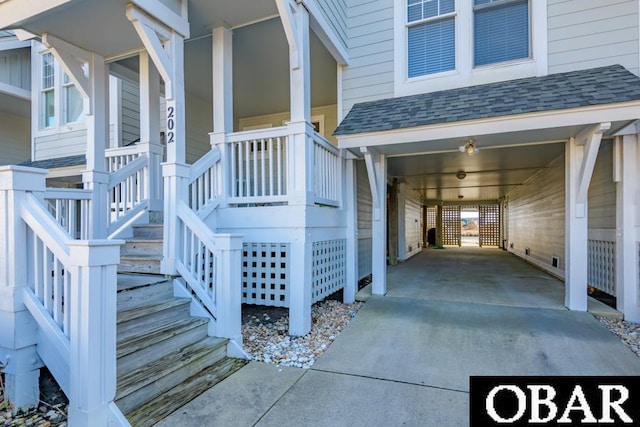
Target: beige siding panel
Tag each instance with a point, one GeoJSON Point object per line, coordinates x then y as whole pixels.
{"type": "Point", "coordinates": [413, 221]}
{"type": "Point", "coordinates": [536, 215]}
{"type": "Point", "coordinates": [369, 75]}
{"type": "Point", "coordinates": [602, 190]}
{"type": "Point", "coordinates": [15, 142]}
{"type": "Point", "coordinates": [60, 145]}
{"type": "Point", "coordinates": [365, 214]}
{"type": "Point", "coordinates": [130, 112]}
{"type": "Point", "coordinates": [592, 33]}
{"type": "Point", "coordinates": [15, 68]}
{"type": "Point", "coordinates": [334, 12]}
{"type": "Point", "coordinates": [199, 124]}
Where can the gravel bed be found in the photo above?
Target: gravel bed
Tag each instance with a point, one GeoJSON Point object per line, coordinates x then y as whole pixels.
{"type": "Point", "coordinates": [264, 332]}
{"type": "Point", "coordinates": [629, 333]}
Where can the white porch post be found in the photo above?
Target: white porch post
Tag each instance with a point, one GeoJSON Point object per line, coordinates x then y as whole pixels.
{"type": "Point", "coordinates": [627, 160]}
{"type": "Point", "coordinates": [94, 89]}
{"type": "Point", "coordinates": [580, 158]}
{"type": "Point", "coordinates": [92, 333]}
{"type": "Point", "coordinates": [228, 255]}
{"type": "Point", "coordinates": [300, 180]}
{"type": "Point", "coordinates": [165, 46]}
{"type": "Point", "coordinates": [150, 130]}
{"type": "Point", "coordinates": [351, 209]}
{"type": "Point", "coordinates": [18, 334]}
{"type": "Point", "coordinates": [377, 171]}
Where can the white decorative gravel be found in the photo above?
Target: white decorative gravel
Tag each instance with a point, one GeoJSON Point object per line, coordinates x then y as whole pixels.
{"type": "Point", "coordinates": [629, 333]}
{"type": "Point", "coordinates": [266, 339]}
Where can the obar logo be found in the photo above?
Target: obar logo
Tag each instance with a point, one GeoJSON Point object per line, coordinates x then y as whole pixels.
{"type": "Point", "coordinates": [526, 401]}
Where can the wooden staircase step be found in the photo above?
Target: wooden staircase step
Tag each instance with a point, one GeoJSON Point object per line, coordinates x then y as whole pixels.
{"type": "Point", "coordinates": [148, 231]}
{"type": "Point", "coordinates": [134, 351]}
{"type": "Point", "coordinates": [137, 290]}
{"type": "Point", "coordinates": [136, 320]}
{"type": "Point", "coordinates": [141, 246]}
{"type": "Point", "coordinates": [155, 410]}
{"type": "Point", "coordinates": [131, 281]}
{"type": "Point", "coordinates": [148, 264]}
{"type": "Point", "coordinates": [159, 376]}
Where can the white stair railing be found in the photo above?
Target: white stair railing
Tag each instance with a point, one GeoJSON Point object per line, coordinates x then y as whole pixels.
{"type": "Point", "coordinates": [70, 208]}
{"type": "Point", "coordinates": [128, 196]}
{"type": "Point", "coordinates": [205, 184]}
{"type": "Point", "coordinates": [328, 169]}
{"type": "Point", "coordinates": [69, 287]}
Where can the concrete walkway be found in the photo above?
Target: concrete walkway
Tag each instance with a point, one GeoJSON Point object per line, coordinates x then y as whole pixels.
{"type": "Point", "coordinates": [406, 358]}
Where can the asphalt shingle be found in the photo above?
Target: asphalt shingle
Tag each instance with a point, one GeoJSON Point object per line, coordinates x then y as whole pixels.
{"type": "Point", "coordinates": [59, 162]}
{"type": "Point", "coordinates": [596, 86]}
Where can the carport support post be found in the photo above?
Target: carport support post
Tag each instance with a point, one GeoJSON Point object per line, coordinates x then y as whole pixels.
{"type": "Point", "coordinates": [377, 172]}
{"type": "Point", "coordinates": [627, 158]}
{"type": "Point", "coordinates": [580, 158]}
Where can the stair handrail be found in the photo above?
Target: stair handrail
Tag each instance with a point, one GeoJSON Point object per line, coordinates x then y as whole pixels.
{"type": "Point", "coordinates": [127, 194]}
{"type": "Point", "coordinates": [205, 183]}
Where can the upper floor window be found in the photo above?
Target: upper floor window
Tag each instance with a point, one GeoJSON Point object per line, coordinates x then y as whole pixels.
{"type": "Point", "coordinates": [431, 36]}
{"type": "Point", "coordinates": [60, 101]}
{"type": "Point", "coordinates": [500, 31]}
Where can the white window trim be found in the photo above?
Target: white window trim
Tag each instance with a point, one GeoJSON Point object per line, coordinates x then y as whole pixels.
{"type": "Point", "coordinates": [465, 74]}
{"type": "Point", "coordinates": [59, 125]}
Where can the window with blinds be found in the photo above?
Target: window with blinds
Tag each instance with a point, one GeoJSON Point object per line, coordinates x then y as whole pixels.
{"type": "Point", "coordinates": [500, 31]}
{"type": "Point", "coordinates": [431, 36]}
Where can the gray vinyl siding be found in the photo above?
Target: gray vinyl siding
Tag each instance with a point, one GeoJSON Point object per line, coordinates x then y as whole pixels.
{"type": "Point", "coordinates": [365, 215]}
{"type": "Point", "coordinates": [592, 33]}
{"type": "Point", "coordinates": [412, 221]}
{"type": "Point", "coordinates": [15, 142]}
{"type": "Point", "coordinates": [130, 112]}
{"type": "Point", "coordinates": [199, 123]}
{"type": "Point", "coordinates": [60, 145]}
{"type": "Point", "coordinates": [334, 12]}
{"type": "Point", "coordinates": [15, 68]}
{"type": "Point", "coordinates": [369, 75]}
{"type": "Point", "coordinates": [602, 190]}
{"type": "Point", "coordinates": [536, 213]}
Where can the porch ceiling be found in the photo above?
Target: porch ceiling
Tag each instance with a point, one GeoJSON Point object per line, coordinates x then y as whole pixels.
{"type": "Point", "coordinates": [13, 105]}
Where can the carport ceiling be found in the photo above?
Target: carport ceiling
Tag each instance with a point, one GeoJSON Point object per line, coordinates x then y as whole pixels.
{"type": "Point", "coordinates": [490, 174]}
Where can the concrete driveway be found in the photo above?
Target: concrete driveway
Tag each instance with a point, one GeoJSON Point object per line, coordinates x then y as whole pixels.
{"type": "Point", "coordinates": [406, 358]}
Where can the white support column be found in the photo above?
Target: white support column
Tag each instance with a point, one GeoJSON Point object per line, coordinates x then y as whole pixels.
{"type": "Point", "coordinates": [92, 333]}
{"type": "Point", "coordinates": [18, 333]}
{"type": "Point", "coordinates": [222, 59]}
{"type": "Point", "coordinates": [228, 256]}
{"type": "Point", "coordinates": [93, 85]}
{"type": "Point", "coordinates": [402, 226]}
{"type": "Point", "coordinates": [150, 129]}
{"type": "Point", "coordinates": [351, 210]}
{"type": "Point", "coordinates": [300, 280]}
{"type": "Point", "coordinates": [377, 171]}
{"type": "Point", "coordinates": [176, 178]}
{"type": "Point", "coordinates": [627, 159]}
{"type": "Point", "coordinates": [580, 157]}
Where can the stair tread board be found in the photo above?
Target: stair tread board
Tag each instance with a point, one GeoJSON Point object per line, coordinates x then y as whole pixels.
{"type": "Point", "coordinates": [157, 409]}
{"type": "Point", "coordinates": [156, 370]}
{"type": "Point", "coordinates": [155, 335]}
{"type": "Point", "coordinates": [146, 309]}
{"type": "Point", "coordinates": [132, 281]}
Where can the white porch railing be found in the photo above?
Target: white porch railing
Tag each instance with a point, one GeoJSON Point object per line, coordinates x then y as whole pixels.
{"type": "Point", "coordinates": [258, 164]}
{"type": "Point", "coordinates": [128, 194]}
{"type": "Point", "coordinates": [205, 184]}
{"type": "Point", "coordinates": [70, 208]}
{"type": "Point", "coordinates": [328, 169]}
{"type": "Point", "coordinates": [69, 288]}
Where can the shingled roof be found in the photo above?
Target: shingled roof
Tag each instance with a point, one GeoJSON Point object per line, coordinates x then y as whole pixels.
{"type": "Point", "coordinates": [58, 162]}
{"type": "Point", "coordinates": [597, 86]}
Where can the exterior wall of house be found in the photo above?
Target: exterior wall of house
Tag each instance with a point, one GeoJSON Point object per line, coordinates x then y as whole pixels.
{"type": "Point", "coordinates": [412, 225]}
{"type": "Point", "coordinates": [199, 124]}
{"type": "Point", "coordinates": [130, 112]}
{"type": "Point", "coordinates": [334, 12]}
{"type": "Point", "coordinates": [14, 139]}
{"type": "Point", "coordinates": [369, 75]}
{"type": "Point", "coordinates": [56, 145]}
{"type": "Point", "coordinates": [536, 215]}
{"type": "Point", "coordinates": [15, 68]}
{"type": "Point", "coordinates": [592, 33]}
{"type": "Point", "coordinates": [327, 116]}
{"type": "Point", "coordinates": [365, 214]}
{"type": "Point", "coordinates": [602, 191]}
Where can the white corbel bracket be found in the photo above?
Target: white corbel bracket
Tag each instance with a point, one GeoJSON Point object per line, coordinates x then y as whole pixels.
{"type": "Point", "coordinates": [288, 10]}
{"type": "Point", "coordinates": [73, 59]}
{"type": "Point", "coordinates": [371, 158]}
{"type": "Point", "coordinates": [589, 139]}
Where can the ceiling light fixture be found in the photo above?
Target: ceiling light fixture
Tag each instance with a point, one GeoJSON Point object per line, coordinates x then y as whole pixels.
{"type": "Point", "coordinates": [469, 147]}
{"type": "Point", "coordinates": [461, 175]}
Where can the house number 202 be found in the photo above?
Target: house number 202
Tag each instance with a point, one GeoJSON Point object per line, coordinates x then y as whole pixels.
{"type": "Point", "coordinates": [171, 124]}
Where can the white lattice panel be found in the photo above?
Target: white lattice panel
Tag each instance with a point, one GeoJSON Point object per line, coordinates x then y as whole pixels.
{"type": "Point", "coordinates": [489, 218]}
{"type": "Point", "coordinates": [364, 257]}
{"type": "Point", "coordinates": [329, 264]}
{"type": "Point", "coordinates": [265, 274]}
{"type": "Point", "coordinates": [602, 265]}
{"type": "Point", "coordinates": [451, 225]}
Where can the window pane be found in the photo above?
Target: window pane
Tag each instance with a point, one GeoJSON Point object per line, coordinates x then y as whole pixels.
{"type": "Point", "coordinates": [430, 9]}
{"type": "Point", "coordinates": [501, 33]}
{"type": "Point", "coordinates": [415, 12]}
{"type": "Point", "coordinates": [432, 47]}
{"type": "Point", "coordinates": [424, 9]}
{"type": "Point", "coordinates": [47, 71]}
{"type": "Point", "coordinates": [447, 6]}
{"type": "Point", "coordinates": [48, 116]}
{"type": "Point", "coordinates": [73, 104]}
